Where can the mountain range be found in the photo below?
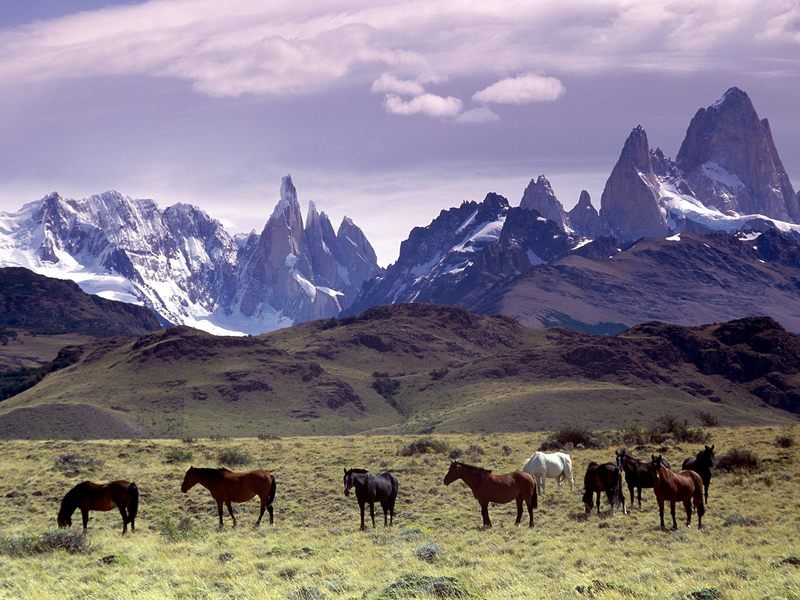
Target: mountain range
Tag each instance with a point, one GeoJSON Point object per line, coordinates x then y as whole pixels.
{"type": "Point", "coordinates": [708, 236]}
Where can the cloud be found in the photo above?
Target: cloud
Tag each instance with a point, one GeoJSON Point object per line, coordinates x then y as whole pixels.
{"type": "Point", "coordinates": [522, 89]}
{"type": "Point", "coordinates": [243, 47]}
{"type": "Point", "coordinates": [403, 87]}
{"type": "Point", "coordinates": [424, 104]}
{"type": "Point", "coordinates": [478, 115]}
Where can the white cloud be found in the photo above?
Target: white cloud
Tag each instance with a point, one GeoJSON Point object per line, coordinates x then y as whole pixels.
{"type": "Point", "coordinates": [522, 89]}
{"type": "Point", "coordinates": [481, 114]}
{"type": "Point", "coordinates": [425, 104]}
{"type": "Point", "coordinates": [404, 87]}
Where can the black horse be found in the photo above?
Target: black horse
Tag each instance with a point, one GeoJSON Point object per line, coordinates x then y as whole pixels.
{"type": "Point", "coordinates": [369, 488]}
{"type": "Point", "coordinates": [638, 474]}
{"type": "Point", "coordinates": [603, 478]}
{"type": "Point", "coordinates": [701, 464]}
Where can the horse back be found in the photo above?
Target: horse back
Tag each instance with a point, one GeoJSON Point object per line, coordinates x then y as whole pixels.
{"type": "Point", "coordinates": [385, 486]}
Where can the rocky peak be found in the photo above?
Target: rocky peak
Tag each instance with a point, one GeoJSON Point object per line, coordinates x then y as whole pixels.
{"type": "Point", "coordinates": [539, 196]}
{"type": "Point", "coordinates": [350, 235]}
{"type": "Point", "coordinates": [730, 159]}
{"type": "Point", "coordinates": [630, 201]}
{"type": "Point", "coordinates": [584, 218]}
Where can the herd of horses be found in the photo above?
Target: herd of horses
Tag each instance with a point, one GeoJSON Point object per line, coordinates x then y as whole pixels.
{"type": "Point", "coordinates": [689, 486]}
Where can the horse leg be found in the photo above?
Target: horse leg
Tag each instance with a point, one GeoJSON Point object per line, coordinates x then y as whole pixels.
{"type": "Point", "coordinates": [529, 503]}
{"type": "Point", "coordinates": [85, 518]}
{"type": "Point", "coordinates": [361, 508]}
{"type": "Point", "coordinates": [541, 483]}
{"type": "Point", "coordinates": [372, 513]}
{"type": "Point", "coordinates": [639, 493]}
{"type": "Point", "coordinates": [391, 514]}
{"type": "Point", "coordinates": [230, 511]}
{"type": "Point", "coordinates": [598, 504]}
{"type": "Point", "coordinates": [630, 489]}
{"type": "Point", "coordinates": [261, 511]}
{"type": "Point", "coordinates": [672, 512]}
{"type": "Point", "coordinates": [385, 508]}
{"type": "Point", "coordinates": [219, 511]}
{"type": "Point", "coordinates": [687, 505]}
{"type": "Point", "coordinates": [661, 511]}
{"type": "Point", "coordinates": [519, 510]}
{"type": "Point", "coordinates": [485, 515]}
{"type": "Point", "coordinates": [705, 488]}
{"type": "Point", "coordinates": [124, 519]}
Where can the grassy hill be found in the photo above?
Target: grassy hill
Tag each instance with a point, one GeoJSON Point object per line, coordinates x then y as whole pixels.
{"type": "Point", "coordinates": [747, 548]}
{"type": "Point", "coordinates": [412, 368]}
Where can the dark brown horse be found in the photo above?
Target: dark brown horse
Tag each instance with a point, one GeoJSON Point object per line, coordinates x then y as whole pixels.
{"type": "Point", "coordinates": [500, 489]}
{"type": "Point", "coordinates": [638, 474]}
{"type": "Point", "coordinates": [603, 478]}
{"type": "Point", "coordinates": [701, 464]}
{"type": "Point", "coordinates": [369, 488]}
{"type": "Point", "coordinates": [88, 496]}
{"type": "Point", "coordinates": [227, 486]}
{"type": "Point", "coordinates": [684, 486]}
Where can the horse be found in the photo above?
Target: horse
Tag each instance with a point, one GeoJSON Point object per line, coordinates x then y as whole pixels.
{"type": "Point", "coordinates": [638, 474]}
{"type": "Point", "coordinates": [685, 486]}
{"type": "Point", "coordinates": [369, 488]}
{"type": "Point", "coordinates": [500, 489]}
{"type": "Point", "coordinates": [557, 466]}
{"type": "Point", "coordinates": [101, 496]}
{"type": "Point", "coordinates": [701, 464]}
{"type": "Point", "coordinates": [228, 486]}
{"type": "Point", "coordinates": [603, 478]}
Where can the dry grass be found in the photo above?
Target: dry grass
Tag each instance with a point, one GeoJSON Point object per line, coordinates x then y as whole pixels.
{"type": "Point", "coordinates": [748, 549]}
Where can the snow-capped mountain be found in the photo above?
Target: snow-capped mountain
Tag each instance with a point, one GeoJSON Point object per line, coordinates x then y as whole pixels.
{"type": "Point", "coordinates": [184, 265]}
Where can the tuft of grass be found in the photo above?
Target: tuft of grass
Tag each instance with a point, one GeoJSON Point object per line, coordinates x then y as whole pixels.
{"type": "Point", "coordinates": [738, 459]}
{"type": "Point", "coordinates": [740, 520]}
{"type": "Point", "coordinates": [73, 542]}
{"type": "Point", "coordinates": [428, 552]}
{"type": "Point", "coordinates": [784, 441]}
{"type": "Point", "coordinates": [425, 446]}
{"type": "Point", "coordinates": [416, 586]}
{"type": "Point", "coordinates": [571, 436]}
{"type": "Point", "coordinates": [177, 455]}
{"type": "Point", "coordinates": [233, 457]}
{"type": "Point", "coordinates": [179, 531]}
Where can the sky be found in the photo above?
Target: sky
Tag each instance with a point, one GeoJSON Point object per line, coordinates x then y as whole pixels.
{"type": "Point", "coordinates": [386, 112]}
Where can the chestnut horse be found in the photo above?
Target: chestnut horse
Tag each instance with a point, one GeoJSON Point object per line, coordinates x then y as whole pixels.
{"type": "Point", "coordinates": [98, 496]}
{"type": "Point", "coordinates": [500, 489]}
{"type": "Point", "coordinates": [227, 486]}
{"type": "Point", "coordinates": [683, 486]}
{"type": "Point", "coordinates": [701, 464]}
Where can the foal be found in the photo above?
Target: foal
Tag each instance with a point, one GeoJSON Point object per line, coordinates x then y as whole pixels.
{"type": "Point", "coordinates": [684, 486]}
{"type": "Point", "coordinates": [500, 489]}
{"type": "Point", "coordinates": [369, 488]}
{"type": "Point", "coordinates": [124, 495]}
{"type": "Point", "coordinates": [226, 487]}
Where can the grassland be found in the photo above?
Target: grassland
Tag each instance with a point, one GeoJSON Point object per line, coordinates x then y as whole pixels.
{"type": "Point", "coordinates": [315, 549]}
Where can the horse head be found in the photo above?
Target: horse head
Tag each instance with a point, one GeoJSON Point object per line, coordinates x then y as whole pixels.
{"type": "Point", "coordinates": [64, 520]}
{"type": "Point", "coordinates": [707, 455]}
{"type": "Point", "coordinates": [657, 462]}
{"type": "Point", "coordinates": [453, 473]}
{"type": "Point", "coordinates": [348, 481]}
{"type": "Point", "coordinates": [189, 480]}
{"type": "Point", "coordinates": [620, 454]}
{"type": "Point", "coordinates": [588, 501]}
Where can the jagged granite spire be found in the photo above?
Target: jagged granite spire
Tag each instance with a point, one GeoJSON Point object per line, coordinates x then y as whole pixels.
{"type": "Point", "coordinates": [539, 196]}
{"type": "Point", "coordinates": [584, 218]}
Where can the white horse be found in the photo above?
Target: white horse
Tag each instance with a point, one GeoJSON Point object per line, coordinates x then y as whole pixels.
{"type": "Point", "coordinates": [557, 466]}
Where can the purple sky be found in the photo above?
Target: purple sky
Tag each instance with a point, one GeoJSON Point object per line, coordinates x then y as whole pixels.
{"type": "Point", "coordinates": [386, 112]}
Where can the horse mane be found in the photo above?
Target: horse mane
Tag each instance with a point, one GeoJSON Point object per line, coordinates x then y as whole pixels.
{"type": "Point", "coordinates": [358, 471]}
{"type": "Point", "coordinates": [473, 467]}
{"type": "Point", "coordinates": [212, 470]}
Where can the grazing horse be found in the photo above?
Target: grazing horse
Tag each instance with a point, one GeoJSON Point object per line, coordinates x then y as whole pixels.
{"type": "Point", "coordinates": [369, 488]}
{"type": "Point", "coordinates": [684, 486]}
{"type": "Point", "coordinates": [98, 496]}
{"type": "Point", "coordinates": [701, 464]}
{"type": "Point", "coordinates": [500, 489]}
{"type": "Point", "coordinates": [556, 466]}
{"type": "Point", "coordinates": [227, 486]}
{"type": "Point", "coordinates": [603, 478]}
{"type": "Point", "coordinates": [638, 474]}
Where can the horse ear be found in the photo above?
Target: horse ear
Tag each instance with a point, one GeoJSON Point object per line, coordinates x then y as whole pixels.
{"type": "Point", "coordinates": [345, 471]}
{"type": "Point", "coordinates": [712, 446]}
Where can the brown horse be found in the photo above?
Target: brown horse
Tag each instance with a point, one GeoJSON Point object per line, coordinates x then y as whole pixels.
{"type": "Point", "coordinates": [227, 486]}
{"type": "Point", "coordinates": [683, 486]}
{"type": "Point", "coordinates": [603, 478]}
{"type": "Point", "coordinates": [98, 496]}
{"type": "Point", "coordinates": [500, 489]}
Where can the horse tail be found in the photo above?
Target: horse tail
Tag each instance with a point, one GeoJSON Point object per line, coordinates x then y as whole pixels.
{"type": "Point", "coordinates": [271, 490]}
{"type": "Point", "coordinates": [699, 504]}
{"type": "Point", "coordinates": [535, 496]}
{"type": "Point", "coordinates": [133, 501]}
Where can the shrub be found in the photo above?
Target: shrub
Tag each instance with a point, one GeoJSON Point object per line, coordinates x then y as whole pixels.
{"type": "Point", "coordinates": [307, 593]}
{"type": "Point", "coordinates": [416, 586]}
{"type": "Point", "coordinates": [425, 446]}
{"type": "Point", "coordinates": [737, 519]}
{"type": "Point", "coordinates": [73, 465]}
{"type": "Point", "coordinates": [437, 374]}
{"type": "Point", "coordinates": [386, 386]}
{"type": "Point", "coordinates": [784, 441]}
{"type": "Point", "coordinates": [177, 455]}
{"type": "Point", "coordinates": [268, 436]}
{"type": "Point", "coordinates": [233, 457]}
{"type": "Point", "coordinates": [635, 436]}
{"type": "Point", "coordinates": [707, 419]}
{"type": "Point", "coordinates": [738, 459]}
{"type": "Point", "coordinates": [72, 541]}
{"type": "Point", "coordinates": [506, 450]}
{"type": "Point", "coordinates": [475, 450]}
{"type": "Point", "coordinates": [678, 430]}
{"type": "Point", "coordinates": [177, 531]}
{"type": "Point", "coordinates": [571, 434]}
{"type": "Point", "coordinates": [428, 552]}
{"type": "Point", "coordinates": [188, 440]}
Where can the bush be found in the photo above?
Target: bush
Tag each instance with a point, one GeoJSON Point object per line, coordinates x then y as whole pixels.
{"type": "Point", "coordinates": [72, 541]}
{"type": "Point", "coordinates": [416, 586]}
{"type": "Point", "coordinates": [264, 437]}
{"type": "Point", "coordinates": [177, 531]}
{"type": "Point", "coordinates": [738, 459]}
{"type": "Point", "coordinates": [73, 465]}
{"type": "Point", "coordinates": [307, 593]}
{"type": "Point", "coordinates": [437, 374]}
{"type": "Point", "coordinates": [233, 457]}
{"type": "Point", "coordinates": [428, 552]}
{"type": "Point", "coordinates": [188, 440]}
{"type": "Point", "coordinates": [425, 446]}
{"type": "Point", "coordinates": [737, 519]}
{"type": "Point", "coordinates": [784, 441]}
{"type": "Point", "coordinates": [386, 386]}
{"type": "Point", "coordinates": [475, 450]}
{"type": "Point", "coordinates": [707, 419]}
{"type": "Point", "coordinates": [177, 455]}
{"type": "Point", "coordinates": [635, 436]}
{"type": "Point", "coordinates": [571, 434]}
{"type": "Point", "coordinates": [678, 430]}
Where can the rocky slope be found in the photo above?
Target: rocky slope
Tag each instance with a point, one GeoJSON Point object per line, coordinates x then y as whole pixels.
{"type": "Point", "coordinates": [184, 265]}
{"type": "Point", "coordinates": [414, 368]}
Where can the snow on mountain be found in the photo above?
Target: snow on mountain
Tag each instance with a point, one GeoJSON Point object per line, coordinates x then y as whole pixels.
{"type": "Point", "coordinates": [182, 263]}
